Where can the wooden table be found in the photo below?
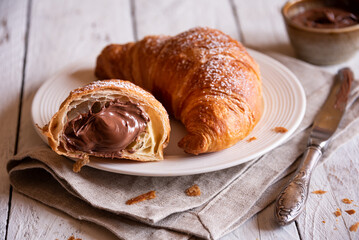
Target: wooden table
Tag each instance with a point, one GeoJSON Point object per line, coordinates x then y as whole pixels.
{"type": "Point", "coordinates": [39, 37]}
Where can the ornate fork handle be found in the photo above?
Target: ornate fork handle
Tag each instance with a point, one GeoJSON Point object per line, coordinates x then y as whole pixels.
{"type": "Point", "coordinates": [292, 199]}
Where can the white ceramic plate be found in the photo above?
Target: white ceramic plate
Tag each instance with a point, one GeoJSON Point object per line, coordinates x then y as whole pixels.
{"type": "Point", "coordinates": [284, 106]}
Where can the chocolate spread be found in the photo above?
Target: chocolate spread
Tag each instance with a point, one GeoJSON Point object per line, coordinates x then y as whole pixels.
{"type": "Point", "coordinates": [326, 17]}
{"type": "Point", "coordinates": [107, 132]}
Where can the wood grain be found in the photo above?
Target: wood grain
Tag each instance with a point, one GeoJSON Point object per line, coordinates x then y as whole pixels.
{"type": "Point", "coordinates": [172, 17]}
{"type": "Point", "coordinates": [262, 25]}
{"type": "Point", "coordinates": [249, 230]}
{"type": "Point", "coordinates": [12, 45]}
{"type": "Point", "coordinates": [343, 179]}
{"type": "Point", "coordinates": [321, 208]}
{"type": "Point", "coordinates": [269, 229]}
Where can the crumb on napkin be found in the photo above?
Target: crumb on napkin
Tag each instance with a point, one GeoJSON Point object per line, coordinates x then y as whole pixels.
{"type": "Point", "coordinates": [251, 139]}
{"type": "Point", "coordinates": [280, 129]}
{"type": "Point", "coordinates": [193, 191]}
{"type": "Point", "coordinates": [142, 197]}
{"type": "Point", "coordinates": [347, 201]}
{"type": "Point", "coordinates": [354, 227]}
{"type": "Point", "coordinates": [338, 213]}
{"type": "Point", "coordinates": [350, 212]}
{"type": "Point", "coordinates": [319, 192]}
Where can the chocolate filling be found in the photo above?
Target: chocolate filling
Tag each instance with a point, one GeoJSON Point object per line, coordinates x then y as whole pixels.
{"type": "Point", "coordinates": [326, 17]}
{"type": "Point", "coordinates": [107, 131]}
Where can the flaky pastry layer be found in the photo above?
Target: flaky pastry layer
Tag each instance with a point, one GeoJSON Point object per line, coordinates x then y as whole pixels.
{"type": "Point", "coordinates": [147, 147]}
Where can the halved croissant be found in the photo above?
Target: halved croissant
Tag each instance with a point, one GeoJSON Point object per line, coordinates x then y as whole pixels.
{"type": "Point", "coordinates": [111, 118]}
{"type": "Point", "coordinates": [202, 76]}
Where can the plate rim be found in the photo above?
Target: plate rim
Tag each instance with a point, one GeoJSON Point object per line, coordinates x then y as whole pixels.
{"type": "Point", "coordinates": [255, 54]}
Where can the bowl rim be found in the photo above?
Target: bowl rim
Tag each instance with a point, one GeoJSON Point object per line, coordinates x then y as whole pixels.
{"type": "Point", "coordinates": [288, 21]}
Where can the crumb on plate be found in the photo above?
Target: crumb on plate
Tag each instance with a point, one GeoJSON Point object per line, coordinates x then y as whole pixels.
{"type": "Point", "coordinates": [280, 129]}
{"type": "Point", "coordinates": [251, 139]}
{"type": "Point", "coordinates": [142, 197]}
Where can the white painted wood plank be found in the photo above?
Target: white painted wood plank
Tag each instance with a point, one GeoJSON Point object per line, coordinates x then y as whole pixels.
{"type": "Point", "coordinates": [12, 33]}
{"type": "Point", "coordinates": [262, 25]}
{"type": "Point", "coordinates": [172, 17]}
{"type": "Point", "coordinates": [269, 229]}
{"type": "Point", "coordinates": [32, 220]}
{"type": "Point", "coordinates": [62, 32]}
{"type": "Point", "coordinates": [321, 208]}
{"type": "Point", "coordinates": [343, 179]}
{"type": "Point", "coordinates": [249, 230]}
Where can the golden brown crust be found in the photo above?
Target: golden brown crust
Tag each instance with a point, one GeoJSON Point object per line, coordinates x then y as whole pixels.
{"type": "Point", "coordinates": [110, 89]}
{"type": "Point", "coordinates": [202, 76]}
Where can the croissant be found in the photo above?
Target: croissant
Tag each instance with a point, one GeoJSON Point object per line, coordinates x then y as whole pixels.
{"type": "Point", "coordinates": [111, 119]}
{"type": "Point", "coordinates": [202, 76]}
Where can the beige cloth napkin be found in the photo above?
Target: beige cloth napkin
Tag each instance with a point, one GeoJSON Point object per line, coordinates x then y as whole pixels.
{"type": "Point", "coordinates": [229, 197]}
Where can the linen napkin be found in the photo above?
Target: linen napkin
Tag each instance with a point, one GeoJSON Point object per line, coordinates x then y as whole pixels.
{"type": "Point", "coordinates": [229, 197]}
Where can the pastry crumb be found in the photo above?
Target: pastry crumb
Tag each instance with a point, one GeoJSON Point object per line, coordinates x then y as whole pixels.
{"type": "Point", "coordinates": [193, 191]}
{"type": "Point", "coordinates": [142, 197]}
{"type": "Point", "coordinates": [350, 212]}
{"type": "Point", "coordinates": [354, 227]}
{"type": "Point", "coordinates": [319, 192]}
{"type": "Point", "coordinates": [280, 129]}
{"type": "Point", "coordinates": [80, 163]}
{"type": "Point", "coordinates": [347, 201]}
{"type": "Point", "coordinates": [73, 238]}
{"type": "Point", "coordinates": [338, 213]}
{"type": "Point", "coordinates": [251, 139]}
{"type": "Point", "coordinates": [323, 221]}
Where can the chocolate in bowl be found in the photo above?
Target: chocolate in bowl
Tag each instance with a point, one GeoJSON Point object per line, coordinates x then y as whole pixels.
{"type": "Point", "coordinates": [326, 17]}
{"type": "Point", "coordinates": [323, 32]}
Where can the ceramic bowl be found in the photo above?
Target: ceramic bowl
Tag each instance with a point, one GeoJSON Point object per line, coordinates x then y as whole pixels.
{"type": "Point", "coordinates": [320, 46]}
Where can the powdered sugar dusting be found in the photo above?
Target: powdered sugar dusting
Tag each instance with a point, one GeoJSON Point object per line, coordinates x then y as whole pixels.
{"type": "Point", "coordinates": [212, 41]}
{"type": "Point", "coordinates": [221, 62]}
{"type": "Point", "coordinates": [109, 84]}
